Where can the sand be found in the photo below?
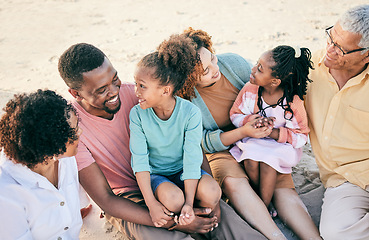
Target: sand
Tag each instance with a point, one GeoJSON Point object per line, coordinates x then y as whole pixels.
{"type": "Point", "coordinates": [35, 33]}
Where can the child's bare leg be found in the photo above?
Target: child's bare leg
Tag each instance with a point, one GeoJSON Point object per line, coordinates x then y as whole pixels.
{"type": "Point", "coordinates": [208, 192]}
{"type": "Point", "coordinates": [268, 179]}
{"type": "Point", "coordinates": [170, 196]}
{"type": "Point", "coordinates": [252, 170]}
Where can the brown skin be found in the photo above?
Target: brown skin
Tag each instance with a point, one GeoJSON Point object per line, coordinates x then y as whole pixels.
{"type": "Point", "coordinates": [99, 93]}
{"type": "Point", "coordinates": [96, 185]}
{"type": "Point", "coordinates": [152, 94]}
{"type": "Point", "coordinates": [242, 197]}
{"type": "Point", "coordinates": [100, 86]}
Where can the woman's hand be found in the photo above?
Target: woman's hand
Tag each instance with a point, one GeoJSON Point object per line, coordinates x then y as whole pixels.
{"type": "Point", "coordinates": [248, 130]}
{"type": "Point", "coordinates": [160, 215]}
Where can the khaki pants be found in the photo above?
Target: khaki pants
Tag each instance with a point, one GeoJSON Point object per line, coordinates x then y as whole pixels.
{"type": "Point", "coordinates": [345, 213]}
{"type": "Point", "coordinates": [231, 227]}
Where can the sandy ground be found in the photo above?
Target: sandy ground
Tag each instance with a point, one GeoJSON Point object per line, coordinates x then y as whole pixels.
{"type": "Point", "coordinates": [35, 33]}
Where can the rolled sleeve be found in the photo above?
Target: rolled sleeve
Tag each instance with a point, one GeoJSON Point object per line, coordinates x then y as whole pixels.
{"type": "Point", "coordinates": [211, 142]}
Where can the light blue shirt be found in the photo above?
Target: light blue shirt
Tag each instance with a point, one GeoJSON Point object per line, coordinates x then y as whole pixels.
{"type": "Point", "coordinates": [167, 147]}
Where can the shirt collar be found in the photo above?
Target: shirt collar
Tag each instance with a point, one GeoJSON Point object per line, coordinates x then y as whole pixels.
{"type": "Point", "coordinates": [22, 174]}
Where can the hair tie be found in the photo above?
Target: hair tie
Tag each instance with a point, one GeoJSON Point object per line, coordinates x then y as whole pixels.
{"type": "Point", "coordinates": [297, 51]}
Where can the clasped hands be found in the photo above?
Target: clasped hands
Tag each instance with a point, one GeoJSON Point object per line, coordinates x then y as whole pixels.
{"type": "Point", "coordinates": [191, 220]}
{"type": "Point", "coordinates": [258, 126]}
{"type": "Point", "coordinates": [263, 122]}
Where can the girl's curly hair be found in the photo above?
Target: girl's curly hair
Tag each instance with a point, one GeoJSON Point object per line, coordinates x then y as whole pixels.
{"type": "Point", "coordinates": [36, 126]}
{"type": "Point", "coordinates": [175, 61]}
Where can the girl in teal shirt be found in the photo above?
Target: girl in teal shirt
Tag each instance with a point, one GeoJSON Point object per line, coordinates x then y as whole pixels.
{"type": "Point", "coordinates": [166, 133]}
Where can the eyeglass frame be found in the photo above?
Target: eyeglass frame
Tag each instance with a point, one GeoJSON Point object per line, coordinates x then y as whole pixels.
{"type": "Point", "coordinates": [339, 47]}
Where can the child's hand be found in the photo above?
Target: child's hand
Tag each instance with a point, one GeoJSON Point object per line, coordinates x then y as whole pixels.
{"type": "Point", "coordinates": [187, 215]}
{"type": "Point", "coordinates": [264, 122]}
{"type": "Point", "coordinates": [159, 214]}
{"type": "Point", "coordinates": [249, 129]}
{"type": "Point", "coordinates": [254, 118]}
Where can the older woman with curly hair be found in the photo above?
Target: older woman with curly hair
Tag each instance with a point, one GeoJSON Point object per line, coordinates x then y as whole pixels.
{"type": "Point", "coordinates": [213, 88]}
{"type": "Point", "coordinates": [39, 186]}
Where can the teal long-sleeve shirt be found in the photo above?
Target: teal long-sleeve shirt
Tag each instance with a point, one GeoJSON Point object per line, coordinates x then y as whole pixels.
{"type": "Point", "coordinates": [166, 147]}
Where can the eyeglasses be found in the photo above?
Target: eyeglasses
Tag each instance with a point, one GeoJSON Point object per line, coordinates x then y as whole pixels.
{"type": "Point", "coordinates": [340, 51]}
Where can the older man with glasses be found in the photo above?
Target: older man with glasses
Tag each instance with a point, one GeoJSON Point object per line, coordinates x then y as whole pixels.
{"type": "Point", "coordinates": [339, 49]}
{"type": "Point", "coordinates": [337, 103]}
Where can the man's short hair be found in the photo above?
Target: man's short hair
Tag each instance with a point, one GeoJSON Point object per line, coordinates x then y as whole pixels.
{"type": "Point", "coordinates": [356, 20]}
{"type": "Point", "coordinates": [78, 59]}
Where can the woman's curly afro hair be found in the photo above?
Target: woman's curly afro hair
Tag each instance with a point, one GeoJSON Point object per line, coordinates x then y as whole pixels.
{"type": "Point", "coordinates": [35, 127]}
{"type": "Point", "coordinates": [201, 39]}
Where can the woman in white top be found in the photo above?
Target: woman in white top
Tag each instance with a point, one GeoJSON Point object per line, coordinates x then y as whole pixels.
{"type": "Point", "coordinates": [38, 172]}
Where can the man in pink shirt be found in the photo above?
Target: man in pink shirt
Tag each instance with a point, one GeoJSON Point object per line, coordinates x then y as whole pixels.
{"type": "Point", "coordinates": [103, 104]}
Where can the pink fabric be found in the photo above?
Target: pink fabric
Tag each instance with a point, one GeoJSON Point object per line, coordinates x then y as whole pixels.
{"type": "Point", "coordinates": [281, 156]}
{"type": "Point", "coordinates": [107, 142]}
{"type": "Point", "coordinates": [294, 132]}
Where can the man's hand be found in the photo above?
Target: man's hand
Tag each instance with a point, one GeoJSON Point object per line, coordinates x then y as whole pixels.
{"type": "Point", "coordinates": [204, 221]}
{"type": "Point", "coordinates": [187, 215]}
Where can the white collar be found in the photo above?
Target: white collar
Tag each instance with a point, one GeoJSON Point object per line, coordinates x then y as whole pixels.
{"type": "Point", "coordinates": [25, 176]}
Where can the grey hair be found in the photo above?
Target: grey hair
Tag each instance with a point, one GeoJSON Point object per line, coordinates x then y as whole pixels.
{"type": "Point", "coordinates": [356, 20]}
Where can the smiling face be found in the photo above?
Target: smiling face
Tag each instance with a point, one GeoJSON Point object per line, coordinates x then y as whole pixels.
{"type": "Point", "coordinates": [211, 69]}
{"type": "Point", "coordinates": [99, 94]}
{"type": "Point", "coordinates": [261, 73]}
{"type": "Point", "coordinates": [148, 90]}
{"type": "Point", "coordinates": [347, 41]}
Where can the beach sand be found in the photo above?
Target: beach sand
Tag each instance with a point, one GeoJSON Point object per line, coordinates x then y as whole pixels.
{"type": "Point", "coordinates": [35, 33]}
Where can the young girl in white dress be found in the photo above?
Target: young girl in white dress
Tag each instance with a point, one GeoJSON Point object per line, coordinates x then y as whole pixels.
{"type": "Point", "coordinates": [274, 95]}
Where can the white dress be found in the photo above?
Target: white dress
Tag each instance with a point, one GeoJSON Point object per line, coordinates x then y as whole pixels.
{"type": "Point", "coordinates": [281, 156]}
